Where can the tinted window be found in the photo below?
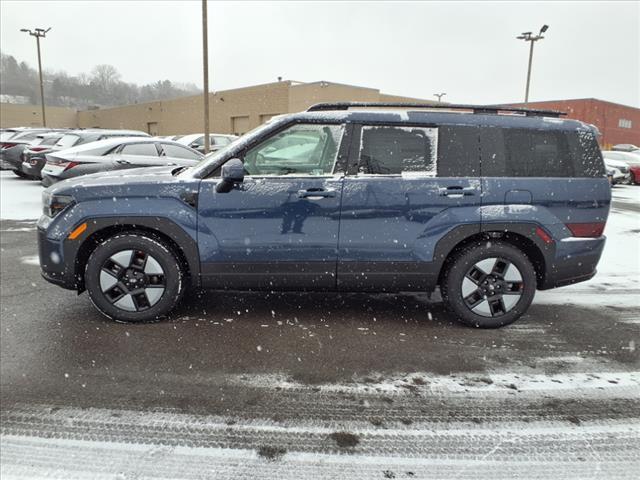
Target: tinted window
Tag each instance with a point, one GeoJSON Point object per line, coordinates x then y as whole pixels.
{"type": "Point", "coordinates": [300, 149]}
{"type": "Point", "coordinates": [147, 149]}
{"type": "Point", "coordinates": [176, 151]}
{"type": "Point", "coordinates": [394, 150]}
{"type": "Point", "coordinates": [458, 151]}
{"type": "Point", "coordinates": [515, 152]}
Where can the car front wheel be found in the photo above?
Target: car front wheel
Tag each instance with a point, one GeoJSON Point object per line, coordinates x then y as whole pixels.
{"type": "Point", "coordinates": [489, 285]}
{"type": "Point", "coordinates": [134, 277]}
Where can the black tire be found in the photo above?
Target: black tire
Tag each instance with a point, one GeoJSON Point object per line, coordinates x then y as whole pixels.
{"type": "Point", "coordinates": [21, 174]}
{"type": "Point", "coordinates": [463, 275]}
{"type": "Point", "coordinates": [117, 300]}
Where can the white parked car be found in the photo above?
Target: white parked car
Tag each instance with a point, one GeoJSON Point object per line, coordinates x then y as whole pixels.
{"type": "Point", "coordinates": [630, 159]}
{"type": "Point", "coordinates": [216, 141]}
{"type": "Point", "coordinates": [116, 154]}
{"type": "Point", "coordinates": [621, 174]}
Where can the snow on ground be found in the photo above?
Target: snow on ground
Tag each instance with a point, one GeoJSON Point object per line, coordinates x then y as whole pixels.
{"type": "Point", "coordinates": [618, 278]}
{"type": "Point", "coordinates": [512, 423]}
{"type": "Point", "coordinates": [20, 199]}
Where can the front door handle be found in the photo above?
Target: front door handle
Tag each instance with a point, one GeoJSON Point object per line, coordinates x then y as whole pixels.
{"type": "Point", "coordinates": [123, 162]}
{"type": "Point", "coordinates": [456, 191]}
{"type": "Point", "coordinates": [316, 193]}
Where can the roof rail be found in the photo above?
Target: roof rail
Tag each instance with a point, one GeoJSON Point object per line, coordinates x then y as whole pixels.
{"type": "Point", "coordinates": [476, 109]}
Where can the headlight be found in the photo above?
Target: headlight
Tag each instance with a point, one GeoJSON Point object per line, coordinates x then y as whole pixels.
{"type": "Point", "coordinates": [52, 205]}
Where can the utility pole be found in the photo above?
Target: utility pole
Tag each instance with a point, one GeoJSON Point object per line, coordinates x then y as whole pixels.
{"type": "Point", "coordinates": [528, 37]}
{"type": "Point", "coordinates": [439, 95]}
{"type": "Point", "coordinates": [205, 68]}
{"type": "Point", "coordinates": [39, 32]}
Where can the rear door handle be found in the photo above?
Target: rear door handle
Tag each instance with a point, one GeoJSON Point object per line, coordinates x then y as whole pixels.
{"type": "Point", "coordinates": [123, 162]}
{"type": "Point", "coordinates": [316, 193]}
{"type": "Point", "coordinates": [457, 192]}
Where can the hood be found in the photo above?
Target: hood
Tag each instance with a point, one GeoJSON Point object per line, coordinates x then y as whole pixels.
{"type": "Point", "coordinates": [137, 182]}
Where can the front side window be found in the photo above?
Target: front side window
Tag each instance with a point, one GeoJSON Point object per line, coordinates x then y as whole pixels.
{"type": "Point", "coordinates": [389, 150]}
{"type": "Point", "coordinates": [298, 150]}
{"type": "Point", "coordinates": [146, 149]}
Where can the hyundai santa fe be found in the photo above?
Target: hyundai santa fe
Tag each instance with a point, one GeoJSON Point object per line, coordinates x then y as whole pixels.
{"type": "Point", "coordinates": [487, 204]}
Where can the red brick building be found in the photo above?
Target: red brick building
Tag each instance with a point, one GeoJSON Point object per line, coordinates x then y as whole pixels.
{"type": "Point", "coordinates": [617, 123]}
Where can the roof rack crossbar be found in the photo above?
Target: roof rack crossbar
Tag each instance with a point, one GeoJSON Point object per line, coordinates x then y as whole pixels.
{"type": "Point", "coordinates": [476, 109]}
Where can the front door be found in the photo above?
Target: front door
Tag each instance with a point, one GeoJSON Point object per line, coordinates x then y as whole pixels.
{"type": "Point", "coordinates": [407, 187]}
{"type": "Point", "coordinates": [279, 228]}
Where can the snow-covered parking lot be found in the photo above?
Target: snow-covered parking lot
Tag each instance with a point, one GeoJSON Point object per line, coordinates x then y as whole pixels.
{"type": "Point", "coordinates": [318, 385]}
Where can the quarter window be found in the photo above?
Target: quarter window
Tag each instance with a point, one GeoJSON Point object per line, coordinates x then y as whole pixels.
{"type": "Point", "coordinates": [397, 150]}
{"type": "Point", "coordinates": [298, 150]}
{"type": "Point", "coordinates": [516, 152]}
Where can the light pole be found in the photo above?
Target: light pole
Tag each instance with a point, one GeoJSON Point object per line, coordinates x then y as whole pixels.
{"type": "Point", "coordinates": [205, 69]}
{"type": "Point", "coordinates": [439, 95]}
{"type": "Point", "coordinates": [528, 37]}
{"type": "Point", "coordinates": [39, 32]}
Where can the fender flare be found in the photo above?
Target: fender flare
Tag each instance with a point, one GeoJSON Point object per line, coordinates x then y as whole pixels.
{"type": "Point", "coordinates": [163, 225]}
{"type": "Point", "coordinates": [459, 234]}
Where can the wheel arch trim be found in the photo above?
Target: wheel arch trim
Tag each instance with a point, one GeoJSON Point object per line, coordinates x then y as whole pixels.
{"type": "Point", "coordinates": [165, 228]}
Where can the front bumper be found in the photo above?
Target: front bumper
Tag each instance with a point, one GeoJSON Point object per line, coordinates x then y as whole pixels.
{"type": "Point", "coordinates": [55, 267]}
{"type": "Point", "coordinates": [575, 261]}
{"type": "Point", "coordinates": [5, 165]}
{"type": "Point", "coordinates": [48, 180]}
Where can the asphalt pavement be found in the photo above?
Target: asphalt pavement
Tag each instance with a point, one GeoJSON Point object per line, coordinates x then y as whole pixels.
{"type": "Point", "coordinates": [301, 385]}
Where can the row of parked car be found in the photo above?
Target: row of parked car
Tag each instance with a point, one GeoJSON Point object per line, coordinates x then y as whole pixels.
{"type": "Point", "coordinates": [623, 164]}
{"type": "Point", "coordinates": [51, 155]}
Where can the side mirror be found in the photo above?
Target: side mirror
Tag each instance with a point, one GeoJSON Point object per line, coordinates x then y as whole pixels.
{"type": "Point", "coordinates": [232, 173]}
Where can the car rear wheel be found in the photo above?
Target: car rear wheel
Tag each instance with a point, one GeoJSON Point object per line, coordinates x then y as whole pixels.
{"type": "Point", "coordinates": [134, 277]}
{"type": "Point", "coordinates": [489, 285]}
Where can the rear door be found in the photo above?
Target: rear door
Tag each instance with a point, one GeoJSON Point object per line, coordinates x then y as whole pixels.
{"type": "Point", "coordinates": [135, 155]}
{"type": "Point", "coordinates": [407, 187]}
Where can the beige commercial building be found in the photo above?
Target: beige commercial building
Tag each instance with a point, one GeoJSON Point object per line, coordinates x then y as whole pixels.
{"type": "Point", "coordinates": [230, 111]}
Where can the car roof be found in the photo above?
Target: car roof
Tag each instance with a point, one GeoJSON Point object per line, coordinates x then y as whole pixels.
{"type": "Point", "coordinates": [112, 142]}
{"type": "Point", "coordinates": [100, 131]}
{"type": "Point", "coordinates": [426, 117]}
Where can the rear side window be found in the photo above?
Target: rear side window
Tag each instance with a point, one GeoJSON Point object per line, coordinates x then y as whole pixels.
{"type": "Point", "coordinates": [516, 152]}
{"type": "Point", "coordinates": [396, 150]}
{"type": "Point", "coordinates": [49, 141]}
{"type": "Point", "coordinates": [146, 149]}
{"type": "Point", "coordinates": [176, 151]}
{"type": "Point", "coordinates": [220, 140]}
{"type": "Point", "coordinates": [68, 140]}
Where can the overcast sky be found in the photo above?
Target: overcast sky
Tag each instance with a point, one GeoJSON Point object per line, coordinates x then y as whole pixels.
{"type": "Point", "coordinates": [467, 49]}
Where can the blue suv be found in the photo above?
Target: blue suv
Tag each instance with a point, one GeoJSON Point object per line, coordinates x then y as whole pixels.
{"type": "Point", "coordinates": [487, 203]}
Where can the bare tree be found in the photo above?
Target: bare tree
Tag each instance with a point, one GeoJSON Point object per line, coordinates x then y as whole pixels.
{"type": "Point", "coordinates": [105, 77]}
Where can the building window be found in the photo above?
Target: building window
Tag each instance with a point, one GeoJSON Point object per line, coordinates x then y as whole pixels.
{"type": "Point", "coordinates": [624, 123]}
